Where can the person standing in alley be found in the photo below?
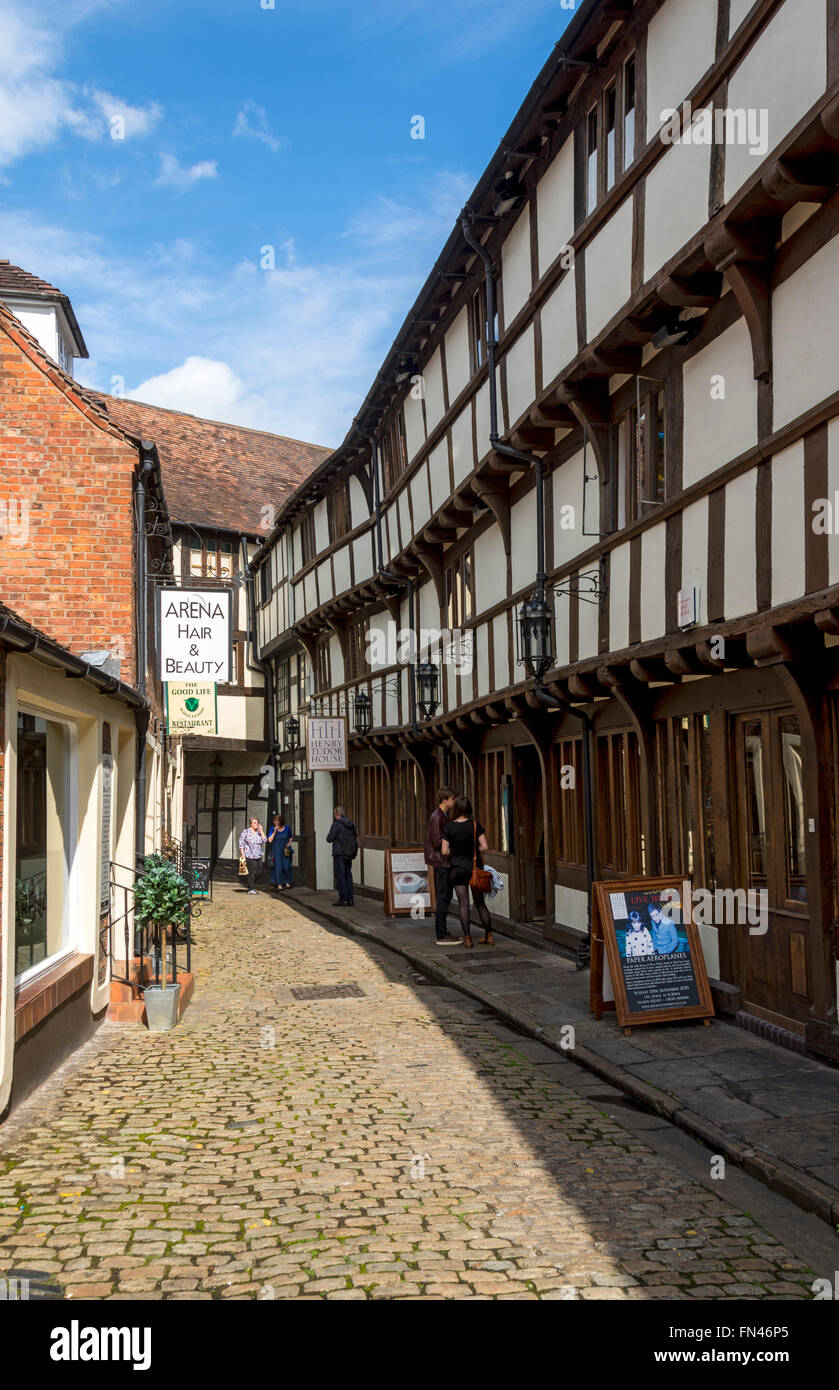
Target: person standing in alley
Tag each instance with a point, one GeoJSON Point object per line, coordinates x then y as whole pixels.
{"type": "Point", "coordinates": [279, 845]}
{"type": "Point", "coordinates": [251, 845]}
{"type": "Point", "coordinates": [435, 860]}
{"type": "Point", "coordinates": [344, 841]}
{"type": "Point", "coordinates": [464, 845]}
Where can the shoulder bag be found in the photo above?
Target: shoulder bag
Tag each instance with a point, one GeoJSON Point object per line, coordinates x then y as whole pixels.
{"type": "Point", "coordinates": [480, 879]}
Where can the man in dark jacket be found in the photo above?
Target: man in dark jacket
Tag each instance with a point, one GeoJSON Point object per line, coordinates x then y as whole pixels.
{"type": "Point", "coordinates": [434, 859]}
{"type": "Point", "coordinates": [344, 842]}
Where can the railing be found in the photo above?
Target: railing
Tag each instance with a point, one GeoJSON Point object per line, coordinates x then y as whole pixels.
{"type": "Point", "coordinates": [151, 940]}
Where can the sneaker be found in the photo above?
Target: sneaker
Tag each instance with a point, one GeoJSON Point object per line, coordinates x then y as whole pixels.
{"type": "Point", "coordinates": [447, 940]}
{"type": "Point", "coordinates": [253, 890]}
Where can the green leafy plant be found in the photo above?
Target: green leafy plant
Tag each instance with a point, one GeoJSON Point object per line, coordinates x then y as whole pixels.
{"type": "Point", "coordinates": [161, 897]}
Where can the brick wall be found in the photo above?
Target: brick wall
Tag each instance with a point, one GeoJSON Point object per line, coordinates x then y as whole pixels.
{"type": "Point", "coordinates": [68, 482]}
{"type": "Point", "coordinates": [2, 791]}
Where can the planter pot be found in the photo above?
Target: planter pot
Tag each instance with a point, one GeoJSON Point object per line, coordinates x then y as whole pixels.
{"type": "Point", "coordinates": [161, 1007]}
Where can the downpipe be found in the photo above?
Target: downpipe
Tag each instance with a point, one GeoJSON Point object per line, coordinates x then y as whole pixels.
{"type": "Point", "coordinates": [258, 666]}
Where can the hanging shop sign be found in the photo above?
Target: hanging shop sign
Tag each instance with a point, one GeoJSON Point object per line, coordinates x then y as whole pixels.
{"type": "Point", "coordinates": [196, 634]}
{"type": "Point", "coordinates": [326, 743]}
{"type": "Point", "coordinates": [409, 884]}
{"type": "Point", "coordinates": [192, 707]}
{"type": "Point", "coordinates": [646, 956]}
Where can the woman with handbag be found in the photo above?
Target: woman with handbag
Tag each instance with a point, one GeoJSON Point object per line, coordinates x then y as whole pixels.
{"type": "Point", "coordinates": [251, 849]}
{"type": "Point", "coordinates": [464, 844]}
{"type": "Point", "coordinates": [280, 851]}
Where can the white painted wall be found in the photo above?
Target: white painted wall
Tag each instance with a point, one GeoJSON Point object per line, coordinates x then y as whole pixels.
{"type": "Point", "coordinates": [420, 502]}
{"type": "Point", "coordinates": [740, 545]}
{"type": "Point", "coordinates": [783, 73]}
{"type": "Point", "coordinates": [438, 468]}
{"type": "Point", "coordinates": [833, 495]}
{"type": "Point", "coordinates": [341, 563]}
{"type": "Point", "coordinates": [695, 553]}
{"type": "Point", "coordinates": [653, 621]}
{"type": "Point", "coordinates": [501, 650]}
{"type": "Point", "coordinates": [433, 375]}
{"type": "Point", "coordinates": [457, 355]}
{"type": "Point", "coordinates": [374, 868]}
{"type": "Point", "coordinates": [463, 453]}
{"type": "Point", "coordinates": [789, 523]}
{"type": "Point", "coordinates": [359, 510]}
{"type": "Point", "coordinates": [570, 907]}
{"type": "Point", "coordinates": [715, 430]}
{"type": "Point", "coordinates": [805, 312]}
{"type": "Point", "coordinates": [567, 484]}
{"type": "Point", "coordinates": [559, 328]}
{"type": "Point", "coordinates": [680, 49]}
{"type": "Point", "coordinates": [619, 598]}
{"type": "Point", "coordinates": [609, 269]}
{"type": "Point", "coordinates": [521, 376]}
{"type": "Point", "coordinates": [555, 206]}
{"type": "Point", "coordinates": [588, 628]}
{"type": "Point", "coordinates": [414, 428]}
{"type": "Point", "coordinates": [321, 526]}
{"type": "Point", "coordinates": [676, 203]}
{"type": "Point", "coordinates": [490, 569]}
{"type": "Point", "coordinates": [522, 545]}
{"type": "Point", "coordinates": [515, 267]}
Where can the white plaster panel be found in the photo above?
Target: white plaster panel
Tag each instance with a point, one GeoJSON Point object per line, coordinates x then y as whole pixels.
{"type": "Point", "coordinates": [419, 498]}
{"type": "Point", "coordinates": [571, 907]}
{"type": "Point", "coordinates": [490, 569]}
{"type": "Point", "coordinates": [414, 427]}
{"type": "Point", "coordinates": [482, 417]}
{"type": "Point", "coordinates": [405, 526]}
{"type": "Point", "coordinates": [515, 267]}
{"type": "Point", "coordinates": [805, 311]}
{"type": "Point", "coordinates": [521, 375]}
{"type": "Point", "coordinates": [341, 561]}
{"type": "Point", "coordinates": [428, 608]}
{"type": "Point", "coordinates": [336, 662]}
{"type": "Point", "coordinates": [457, 355]}
{"type": "Point", "coordinates": [559, 328]}
{"type": "Point", "coordinates": [833, 497]}
{"type": "Point", "coordinates": [359, 510]}
{"type": "Point", "coordinates": [310, 597]}
{"type": "Point", "coordinates": [588, 629]}
{"type": "Point", "coordinates": [555, 206]}
{"type": "Point", "coordinates": [374, 866]}
{"type": "Point", "coordinates": [501, 652]}
{"type": "Point", "coordinates": [740, 545]}
{"type": "Point", "coordinates": [463, 453]}
{"type": "Point", "coordinates": [739, 10]}
{"type": "Point", "coordinates": [567, 484]}
{"type": "Point", "coordinates": [321, 525]}
{"type": "Point", "coordinates": [695, 553]}
{"type": "Point", "coordinates": [484, 683]}
{"type": "Point", "coordinates": [716, 430]}
{"type": "Point", "coordinates": [783, 73]}
{"type": "Point", "coordinates": [609, 269]}
{"type": "Point", "coordinates": [438, 467]}
{"type": "Point", "coordinates": [618, 598]}
{"type": "Point", "coordinates": [324, 573]}
{"type": "Point", "coordinates": [433, 378]}
{"type": "Point", "coordinates": [522, 545]}
{"type": "Point", "coordinates": [789, 523]}
{"type": "Point", "coordinates": [680, 49]}
{"type": "Point", "coordinates": [676, 202]}
{"type": "Point", "coordinates": [363, 558]}
{"type": "Point", "coordinates": [653, 621]}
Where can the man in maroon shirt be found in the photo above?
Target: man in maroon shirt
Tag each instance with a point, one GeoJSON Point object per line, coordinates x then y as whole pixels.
{"type": "Point", "coordinates": [434, 859]}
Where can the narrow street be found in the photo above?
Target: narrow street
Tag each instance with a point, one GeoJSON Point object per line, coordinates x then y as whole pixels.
{"type": "Point", "coordinates": [325, 1124]}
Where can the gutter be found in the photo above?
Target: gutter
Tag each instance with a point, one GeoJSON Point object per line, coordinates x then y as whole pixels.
{"type": "Point", "coordinates": [17, 634]}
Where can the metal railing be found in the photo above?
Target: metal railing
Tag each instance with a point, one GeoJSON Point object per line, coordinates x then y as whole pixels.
{"type": "Point", "coordinates": [153, 940]}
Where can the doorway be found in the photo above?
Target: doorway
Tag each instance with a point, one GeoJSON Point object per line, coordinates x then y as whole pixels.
{"type": "Point", "coordinates": [530, 835]}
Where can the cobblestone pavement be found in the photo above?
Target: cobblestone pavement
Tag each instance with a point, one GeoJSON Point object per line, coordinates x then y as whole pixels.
{"type": "Point", "coordinates": [381, 1145]}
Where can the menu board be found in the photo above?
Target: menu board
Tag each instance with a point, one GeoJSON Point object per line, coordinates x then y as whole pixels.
{"type": "Point", "coordinates": [648, 950]}
{"type": "Point", "coordinates": [409, 883]}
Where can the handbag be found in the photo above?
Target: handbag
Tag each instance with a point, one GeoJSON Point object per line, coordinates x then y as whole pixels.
{"type": "Point", "coordinates": [481, 879]}
{"type": "Point", "coordinates": [243, 867]}
{"type": "Point", "coordinates": [289, 850]}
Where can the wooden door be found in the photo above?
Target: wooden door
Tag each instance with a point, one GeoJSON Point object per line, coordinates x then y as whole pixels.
{"type": "Point", "coordinates": [774, 968]}
{"type": "Point", "coordinates": [306, 864]}
{"type": "Point", "coordinates": [530, 836]}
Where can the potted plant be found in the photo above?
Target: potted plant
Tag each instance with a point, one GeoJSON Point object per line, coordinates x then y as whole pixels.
{"type": "Point", "coordinates": [161, 899]}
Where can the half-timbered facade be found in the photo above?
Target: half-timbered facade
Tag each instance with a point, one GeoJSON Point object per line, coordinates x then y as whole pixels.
{"type": "Point", "coordinates": [658, 230]}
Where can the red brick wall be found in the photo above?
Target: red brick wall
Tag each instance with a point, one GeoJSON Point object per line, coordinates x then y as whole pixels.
{"type": "Point", "coordinates": [74, 576]}
{"type": "Point", "coordinates": [2, 791]}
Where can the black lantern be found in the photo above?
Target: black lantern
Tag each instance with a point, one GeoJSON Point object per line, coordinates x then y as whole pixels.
{"type": "Point", "coordinates": [292, 733]}
{"type": "Point", "coordinates": [363, 713]}
{"type": "Point", "coordinates": [536, 636]}
{"type": "Point", "coordinates": [428, 688]}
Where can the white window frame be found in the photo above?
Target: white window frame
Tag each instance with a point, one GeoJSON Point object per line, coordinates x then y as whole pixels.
{"type": "Point", "coordinates": [71, 905]}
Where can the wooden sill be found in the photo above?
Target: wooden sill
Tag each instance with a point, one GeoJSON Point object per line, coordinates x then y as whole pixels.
{"type": "Point", "coordinates": [37, 1000]}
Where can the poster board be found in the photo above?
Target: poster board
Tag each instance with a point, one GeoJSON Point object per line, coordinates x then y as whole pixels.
{"type": "Point", "coordinates": [646, 953]}
{"type": "Point", "coordinates": [407, 879]}
{"type": "Point", "coordinates": [326, 743]}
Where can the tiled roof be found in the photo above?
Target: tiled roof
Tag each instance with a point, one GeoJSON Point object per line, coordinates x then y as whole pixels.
{"type": "Point", "coordinates": [16, 283]}
{"type": "Point", "coordinates": [215, 474]}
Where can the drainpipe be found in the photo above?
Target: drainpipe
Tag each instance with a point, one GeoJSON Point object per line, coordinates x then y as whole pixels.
{"type": "Point", "coordinates": [386, 573]}
{"type": "Point", "coordinates": [539, 690]}
{"type": "Point", "coordinates": [142, 646]}
{"type": "Point", "coordinates": [266, 669]}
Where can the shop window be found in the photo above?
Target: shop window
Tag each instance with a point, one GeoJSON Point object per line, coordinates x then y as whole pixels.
{"type": "Point", "coordinates": [793, 788]}
{"type": "Point", "coordinates": [488, 795]}
{"type": "Point", "coordinates": [375, 812]}
{"type": "Point", "coordinates": [46, 841]}
{"type": "Point", "coordinates": [683, 798]}
{"type": "Point", "coordinates": [620, 846]}
{"type": "Point", "coordinates": [409, 803]}
{"type": "Point", "coordinates": [569, 822]}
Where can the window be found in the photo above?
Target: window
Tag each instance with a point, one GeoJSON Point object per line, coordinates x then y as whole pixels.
{"type": "Point", "coordinates": [591, 160]}
{"type": "Point", "coordinates": [283, 687]}
{"type": "Point", "coordinates": [322, 676]}
{"type": "Point", "coordinates": [338, 509]}
{"type": "Point", "coordinates": [215, 559]}
{"type": "Point", "coordinates": [641, 457]}
{"type": "Point", "coordinates": [620, 846]}
{"type": "Point", "coordinates": [46, 841]}
{"type": "Point", "coordinates": [409, 803]}
{"type": "Point", "coordinates": [488, 796]}
{"type": "Point", "coordinates": [610, 111]}
{"type": "Point", "coordinates": [302, 674]}
{"type": "Point", "coordinates": [628, 111]}
{"type": "Point", "coordinates": [683, 796]}
{"type": "Point", "coordinates": [792, 781]}
{"type": "Point", "coordinates": [357, 651]}
{"type": "Point", "coordinates": [478, 327]}
{"type": "Point", "coordinates": [460, 775]}
{"type": "Point", "coordinates": [265, 582]}
{"type": "Point", "coordinates": [375, 813]}
{"type": "Point", "coordinates": [394, 452]}
{"type": "Point", "coordinates": [307, 538]}
{"type": "Point", "coordinates": [569, 826]}
{"type": "Point", "coordinates": [460, 593]}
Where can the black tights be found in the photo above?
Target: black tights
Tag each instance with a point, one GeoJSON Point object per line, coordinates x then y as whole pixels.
{"type": "Point", "coordinates": [462, 891]}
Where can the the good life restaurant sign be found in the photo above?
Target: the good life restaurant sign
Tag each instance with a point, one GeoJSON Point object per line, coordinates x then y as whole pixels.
{"type": "Point", "coordinates": [196, 633]}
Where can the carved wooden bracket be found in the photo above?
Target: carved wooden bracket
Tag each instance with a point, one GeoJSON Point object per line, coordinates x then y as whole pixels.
{"type": "Point", "coordinates": [746, 264]}
{"type": "Point", "coordinates": [495, 493]}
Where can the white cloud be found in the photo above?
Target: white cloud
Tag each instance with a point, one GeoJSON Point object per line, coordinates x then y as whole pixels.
{"type": "Point", "coordinates": [174, 175]}
{"type": "Point", "coordinates": [201, 386]}
{"type": "Point", "coordinates": [136, 120]}
{"type": "Point", "coordinates": [386, 222]}
{"type": "Point", "coordinates": [252, 122]}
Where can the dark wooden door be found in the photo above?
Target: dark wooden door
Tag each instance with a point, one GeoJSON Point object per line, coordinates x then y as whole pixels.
{"type": "Point", "coordinates": [530, 836]}
{"type": "Point", "coordinates": [770, 835]}
{"type": "Point", "coordinates": [307, 838]}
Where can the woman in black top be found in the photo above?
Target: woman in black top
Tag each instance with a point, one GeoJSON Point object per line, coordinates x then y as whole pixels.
{"type": "Point", "coordinates": [458, 846]}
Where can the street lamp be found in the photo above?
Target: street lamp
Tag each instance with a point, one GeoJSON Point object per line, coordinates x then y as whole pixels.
{"type": "Point", "coordinates": [363, 713]}
{"type": "Point", "coordinates": [535, 631]}
{"type": "Point", "coordinates": [428, 688]}
{"type": "Point", "coordinates": [292, 733]}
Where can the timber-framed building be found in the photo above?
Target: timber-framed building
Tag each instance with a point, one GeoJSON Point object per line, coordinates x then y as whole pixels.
{"type": "Point", "coordinates": [667, 294]}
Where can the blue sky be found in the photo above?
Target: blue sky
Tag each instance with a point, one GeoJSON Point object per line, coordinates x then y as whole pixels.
{"type": "Point", "coordinates": [240, 127]}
